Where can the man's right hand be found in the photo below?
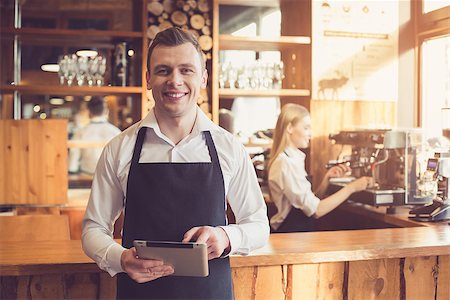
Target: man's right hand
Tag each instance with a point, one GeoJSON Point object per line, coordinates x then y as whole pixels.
{"type": "Point", "coordinates": [143, 270]}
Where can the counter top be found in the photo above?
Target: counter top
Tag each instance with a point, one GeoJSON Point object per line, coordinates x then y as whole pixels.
{"type": "Point", "coordinates": [22, 258]}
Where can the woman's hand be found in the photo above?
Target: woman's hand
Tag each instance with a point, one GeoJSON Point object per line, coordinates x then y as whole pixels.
{"type": "Point", "coordinates": [337, 171]}
{"type": "Point", "coordinates": [361, 184]}
{"type": "Point", "coordinates": [143, 270]}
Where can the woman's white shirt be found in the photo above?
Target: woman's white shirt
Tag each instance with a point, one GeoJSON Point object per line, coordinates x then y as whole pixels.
{"type": "Point", "coordinates": [109, 186]}
{"type": "Point", "coordinates": [289, 186]}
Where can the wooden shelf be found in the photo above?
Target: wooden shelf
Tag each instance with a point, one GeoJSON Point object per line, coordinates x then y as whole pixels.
{"type": "Point", "coordinates": [269, 3]}
{"type": "Point", "coordinates": [92, 34]}
{"type": "Point", "coordinates": [72, 90]}
{"type": "Point", "coordinates": [263, 93]}
{"type": "Point", "coordinates": [230, 42]}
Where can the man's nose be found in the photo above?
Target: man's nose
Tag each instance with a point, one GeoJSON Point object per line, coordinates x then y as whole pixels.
{"type": "Point", "coordinates": [175, 78]}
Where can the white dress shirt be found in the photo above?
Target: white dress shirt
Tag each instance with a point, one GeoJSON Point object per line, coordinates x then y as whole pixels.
{"type": "Point", "coordinates": [109, 186]}
{"type": "Point", "coordinates": [98, 130]}
{"type": "Point", "coordinates": [289, 186]}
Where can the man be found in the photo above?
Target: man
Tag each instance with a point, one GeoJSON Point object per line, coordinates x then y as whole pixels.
{"type": "Point", "coordinates": [98, 130]}
{"type": "Point", "coordinates": [172, 172]}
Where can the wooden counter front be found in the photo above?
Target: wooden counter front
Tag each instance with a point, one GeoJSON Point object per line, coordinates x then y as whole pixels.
{"type": "Point", "coordinates": [360, 264]}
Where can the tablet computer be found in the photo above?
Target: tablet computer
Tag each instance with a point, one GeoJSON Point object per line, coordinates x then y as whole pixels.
{"type": "Point", "coordinates": [187, 259]}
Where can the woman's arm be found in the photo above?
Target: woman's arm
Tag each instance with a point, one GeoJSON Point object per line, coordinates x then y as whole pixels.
{"type": "Point", "coordinates": [335, 171]}
{"type": "Point", "coordinates": [331, 202]}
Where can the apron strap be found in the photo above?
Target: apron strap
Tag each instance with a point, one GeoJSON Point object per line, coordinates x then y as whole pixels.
{"type": "Point", "coordinates": [140, 141]}
{"type": "Point", "coordinates": [138, 146]}
{"type": "Point", "coordinates": [212, 149]}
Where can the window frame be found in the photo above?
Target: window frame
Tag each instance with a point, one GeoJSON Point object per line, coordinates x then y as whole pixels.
{"type": "Point", "coordinates": [434, 24]}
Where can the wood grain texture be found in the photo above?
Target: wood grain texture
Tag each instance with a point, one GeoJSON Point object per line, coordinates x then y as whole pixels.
{"type": "Point", "coordinates": [443, 283]}
{"type": "Point", "coordinates": [81, 285]}
{"type": "Point", "coordinates": [374, 279]}
{"type": "Point", "coordinates": [282, 249]}
{"type": "Point", "coordinates": [270, 283]}
{"type": "Point", "coordinates": [259, 282]}
{"type": "Point", "coordinates": [47, 287]}
{"type": "Point", "coordinates": [318, 281]}
{"type": "Point", "coordinates": [75, 215]}
{"type": "Point", "coordinates": [419, 277]}
{"type": "Point", "coordinates": [334, 116]}
{"type": "Point", "coordinates": [34, 228]}
{"type": "Point", "coordinates": [35, 162]}
{"type": "Point", "coordinates": [246, 276]}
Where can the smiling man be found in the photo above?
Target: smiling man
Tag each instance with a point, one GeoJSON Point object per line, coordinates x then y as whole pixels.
{"type": "Point", "coordinates": [172, 173]}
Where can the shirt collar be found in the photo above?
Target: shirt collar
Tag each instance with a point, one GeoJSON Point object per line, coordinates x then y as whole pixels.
{"type": "Point", "coordinates": [294, 152]}
{"type": "Point", "coordinates": [99, 119]}
{"type": "Point", "coordinates": [202, 123]}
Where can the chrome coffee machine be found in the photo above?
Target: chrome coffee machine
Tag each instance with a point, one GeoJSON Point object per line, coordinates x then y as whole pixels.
{"type": "Point", "coordinates": [390, 156]}
{"type": "Point", "coordinates": [434, 182]}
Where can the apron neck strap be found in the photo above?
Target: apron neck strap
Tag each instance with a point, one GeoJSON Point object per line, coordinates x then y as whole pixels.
{"type": "Point", "coordinates": [140, 141]}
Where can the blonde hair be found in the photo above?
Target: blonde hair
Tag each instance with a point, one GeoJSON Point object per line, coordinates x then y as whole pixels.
{"type": "Point", "coordinates": [290, 114]}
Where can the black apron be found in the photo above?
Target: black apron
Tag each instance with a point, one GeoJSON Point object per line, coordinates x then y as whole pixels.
{"type": "Point", "coordinates": [296, 221]}
{"type": "Point", "coordinates": [164, 200]}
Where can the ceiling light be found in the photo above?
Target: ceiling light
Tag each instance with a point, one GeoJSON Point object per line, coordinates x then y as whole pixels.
{"type": "Point", "coordinates": [130, 52]}
{"type": "Point", "coordinates": [68, 98]}
{"type": "Point", "coordinates": [56, 101]}
{"type": "Point", "coordinates": [87, 53]}
{"type": "Point", "coordinates": [36, 108]}
{"type": "Point", "coordinates": [50, 68]}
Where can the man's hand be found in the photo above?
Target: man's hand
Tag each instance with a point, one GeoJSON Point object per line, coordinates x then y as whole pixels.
{"type": "Point", "coordinates": [143, 270]}
{"type": "Point", "coordinates": [215, 238]}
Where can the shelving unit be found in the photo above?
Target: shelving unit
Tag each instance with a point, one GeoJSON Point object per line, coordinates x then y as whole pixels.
{"type": "Point", "coordinates": [294, 45]}
{"type": "Point", "coordinates": [72, 90]}
{"type": "Point", "coordinates": [227, 93]}
{"type": "Point", "coordinates": [230, 42]}
{"type": "Point", "coordinates": [80, 38]}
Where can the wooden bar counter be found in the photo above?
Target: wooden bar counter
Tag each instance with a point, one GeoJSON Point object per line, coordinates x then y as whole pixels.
{"type": "Point", "coordinates": [394, 263]}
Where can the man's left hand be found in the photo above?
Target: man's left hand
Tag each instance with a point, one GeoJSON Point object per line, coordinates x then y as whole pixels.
{"type": "Point", "coordinates": [215, 238]}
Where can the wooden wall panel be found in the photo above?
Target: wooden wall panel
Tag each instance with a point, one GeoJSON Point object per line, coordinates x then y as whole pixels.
{"type": "Point", "coordinates": [443, 288]}
{"type": "Point", "coordinates": [419, 277]}
{"type": "Point", "coordinates": [34, 228]}
{"type": "Point", "coordinates": [374, 279]}
{"type": "Point", "coordinates": [81, 286]}
{"type": "Point", "coordinates": [333, 116]}
{"type": "Point", "coordinates": [318, 281]}
{"type": "Point", "coordinates": [259, 282]}
{"type": "Point", "coordinates": [34, 157]}
{"type": "Point", "coordinates": [47, 287]}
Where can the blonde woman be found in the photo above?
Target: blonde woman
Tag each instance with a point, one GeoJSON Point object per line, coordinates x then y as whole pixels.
{"type": "Point", "coordinates": [290, 189]}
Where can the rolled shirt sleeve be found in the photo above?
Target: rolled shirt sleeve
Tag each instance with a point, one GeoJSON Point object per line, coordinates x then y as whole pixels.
{"type": "Point", "coordinates": [289, 186]}
{"type": "Point", "coordinates": [104, 207]}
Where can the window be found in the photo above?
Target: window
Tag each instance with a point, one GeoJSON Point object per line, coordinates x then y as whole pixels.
{"type": "Point", "coordinates": [433, 44]}
{"type": "Point", "coordinates": [435, 85]}
{"type": "Point", "coordinates": [430, 5]}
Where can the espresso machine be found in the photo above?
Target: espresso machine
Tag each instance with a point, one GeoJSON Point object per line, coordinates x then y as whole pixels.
{"type": "Point", "coordinates": [434, 183]}
{"type": "Point", "coordinates": [390, 156]}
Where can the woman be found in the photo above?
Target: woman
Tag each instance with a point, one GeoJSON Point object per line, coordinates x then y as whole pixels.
{"type": "Point", "coordinates": [289, 187]}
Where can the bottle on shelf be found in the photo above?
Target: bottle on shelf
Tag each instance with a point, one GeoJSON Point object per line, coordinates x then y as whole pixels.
{"type": "Point", "coordinates": [120, 74]}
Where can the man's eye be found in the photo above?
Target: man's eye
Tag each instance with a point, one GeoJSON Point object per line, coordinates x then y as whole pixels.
{"type": "Point", "coordinates": [187, 71]}
{"type": "Point", "coordinates": [162, 72]}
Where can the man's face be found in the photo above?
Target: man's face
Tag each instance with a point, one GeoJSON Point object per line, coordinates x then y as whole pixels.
{"type": "Point", "coordinates": [176, 78]}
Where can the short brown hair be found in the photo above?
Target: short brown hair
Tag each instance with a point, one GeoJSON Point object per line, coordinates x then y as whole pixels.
{"type": "Point", "coordinates": [171, 37]}
{"type": "Point", "coordinates": [96, 106]}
